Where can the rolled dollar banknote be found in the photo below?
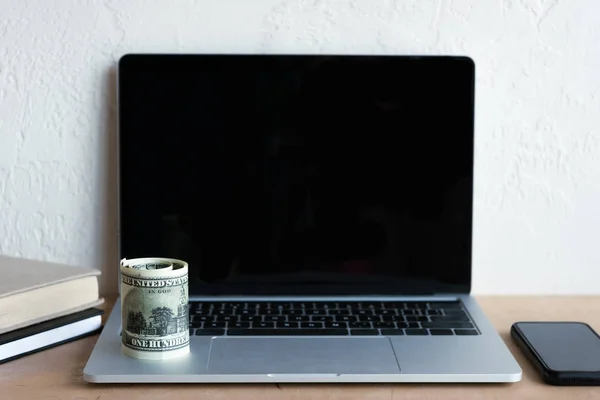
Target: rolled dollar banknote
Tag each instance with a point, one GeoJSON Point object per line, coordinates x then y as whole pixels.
{"type": "Point", "coordinates": [154, 308]}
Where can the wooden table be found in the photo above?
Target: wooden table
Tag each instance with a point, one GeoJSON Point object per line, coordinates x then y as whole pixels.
{"type": "Point", "coordinates": [57, 373]}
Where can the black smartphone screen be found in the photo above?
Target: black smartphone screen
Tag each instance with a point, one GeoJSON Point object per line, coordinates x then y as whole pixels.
{"type": "Point", "coordinates": [564, 346]}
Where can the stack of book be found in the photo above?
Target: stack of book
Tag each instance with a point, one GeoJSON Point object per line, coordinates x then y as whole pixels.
{"type": "Point", "coordinates": [45, 304]}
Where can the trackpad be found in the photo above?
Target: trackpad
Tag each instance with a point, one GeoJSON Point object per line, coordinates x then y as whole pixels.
{"type": "Point", "coordinates": [302, 356]}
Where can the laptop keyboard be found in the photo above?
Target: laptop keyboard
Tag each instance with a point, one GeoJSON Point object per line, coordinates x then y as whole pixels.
{"type": "Point", "coordinates": [330, 319]}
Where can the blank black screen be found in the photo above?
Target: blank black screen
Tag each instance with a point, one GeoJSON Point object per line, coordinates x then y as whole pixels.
{"type": "Point", "coordinates": [564, 346]}
{"type": "Point", "coordinates": [340, 174]}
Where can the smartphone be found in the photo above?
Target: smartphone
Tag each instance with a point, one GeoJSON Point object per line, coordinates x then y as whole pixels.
{"type": "Point", "coordinates": [565, 353]}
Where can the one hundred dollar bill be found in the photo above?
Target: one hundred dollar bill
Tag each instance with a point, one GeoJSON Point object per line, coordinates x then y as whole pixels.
{"type": "Point", "coordinates": [154, 308]}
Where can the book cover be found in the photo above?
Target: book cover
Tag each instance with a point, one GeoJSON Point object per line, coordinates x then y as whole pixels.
{"type": "Point", "coordinates": [48, 334]}
{"type": "Point", "coordinates": [34, 291]}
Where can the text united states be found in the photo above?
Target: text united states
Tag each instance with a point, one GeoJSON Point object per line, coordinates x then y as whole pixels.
{"type": "Point", "coordinates": [155, 283]}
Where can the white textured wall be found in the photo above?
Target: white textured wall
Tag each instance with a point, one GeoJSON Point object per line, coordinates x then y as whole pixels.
{"type": "Point", "coordinates": [537, 215]}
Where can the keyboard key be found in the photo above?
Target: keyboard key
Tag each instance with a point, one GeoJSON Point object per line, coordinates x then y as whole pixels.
{"type": "Point", "coordinates": [416, 332]}
{"type": "Point", "coordinates": [345, 318]}
{"type": "Point", "coordinates": [259, 324]}
{"type": "Point", "coordinates": [201, 318]}
{"type": "Point", "coordinates": [290, 307]}
{"type": "Point", "coordinates": [392, 332]}
{"type": "Point", "coordinates": [456, 316]}
{"type": "Point", "coordinates": [323, 318]}
{"type": "Point", "coordinates": [363, 312]}
{"type": "Point", "coordinates": [239, 325]}
{"type": "Point", "coordinates": [466, 332]}
{"type": "Point", "coordinates": [258, 306]}
{"type": "Point", "coordinates": [276, 318]}
{"type": "Point", "coordinates": [342, 325]}
{"type": "Point", "coordinates": [441, 332]}
{"type": "Point", "coordinates": [372, 305]}
{"type": "Point", "coordinates": [364, 332]}
{"type": "Point", "coordinates": [272, 311]}
{"type": "Point", "coordinates": [280, 305]}
{"type": "Point", "coordinates": [250, 318]}
{"type": "Point", "coordinates": [446, 305]}
{"type": "Point", "coordinates": [454, 313]}
{"type": "Point", "coordinates": [360, 324]}
{"type": "Point", "coordinates": [448, 318]}
{"type": "Point", "coordinates": [287, 332]}
{"type": "Point", "coordinates": [384, 325]}
{"type": "Point", "coordinates": [296, 311]}
{"type": "Point", "coordinates": [208, 325]}
{"type": "Point", "coordinates": [368, 318]}
{"type": "Point", "coordinates": [324, 306]}
{"type": "Point", "coordinates": [412, 305]}
{"type": "Point", "coordinates": [339, 312]}
{"type": "Point", "coordinates": [349, 305]}
{"type": "Point", "coordinates": [311, 325]}
{"type": "Point", "coordinates": [299, 318]}
{"type": "Point", "coordinates": [224, 311]}
{"type": "Point", "coordinates": [447, 325]}
{"type": "Point", "coordinates": [408, 325]}
{"type": "Point", "coordinates": [314, 311]}
{"type": "Point", "coordinates": [234, 305]}
{"type": "Point", "coordinates": [226, 318]}
{"type": "Point", "coordinates": [210, 332]}
{"type": "Point", "coordinates": [287, 325]}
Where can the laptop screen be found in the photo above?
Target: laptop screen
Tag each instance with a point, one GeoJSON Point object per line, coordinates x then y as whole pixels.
{"type": "Point", "coordinates": [317, 175]}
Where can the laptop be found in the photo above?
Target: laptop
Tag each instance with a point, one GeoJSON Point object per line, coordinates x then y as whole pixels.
{"type": "Point", "coordinates": [324, 204]}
